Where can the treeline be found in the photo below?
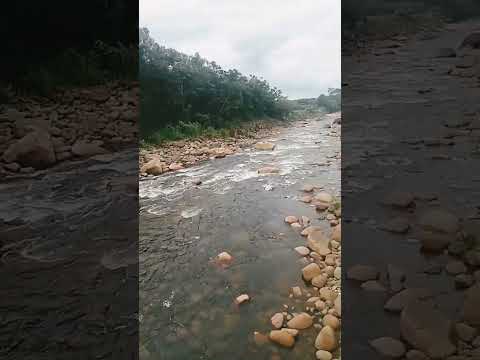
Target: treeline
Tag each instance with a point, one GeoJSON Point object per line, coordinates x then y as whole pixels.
{"type": "Point", "coordinates": [183, 95]}
{"type": "Point", "coordinates": [48, 44]}
{"type": "Point", "coordinates": [325, 103]}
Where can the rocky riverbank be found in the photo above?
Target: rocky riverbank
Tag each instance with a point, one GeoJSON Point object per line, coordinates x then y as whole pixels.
{"type": "Point", "coordinates": [176, 155]}
{"type": "Point", "coordinates": [39, 132]}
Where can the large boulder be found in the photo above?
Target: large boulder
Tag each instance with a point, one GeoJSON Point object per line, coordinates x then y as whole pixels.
{"type": "Point", "coordinates": [319, 243]}
{"type": "Point", "coordinates": [33, 150]}
{"type": "Point", "coordinates": [426, 329]}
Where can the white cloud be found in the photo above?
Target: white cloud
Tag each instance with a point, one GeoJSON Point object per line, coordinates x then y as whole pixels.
{"type": "Point", "coordinates": [294, 45]}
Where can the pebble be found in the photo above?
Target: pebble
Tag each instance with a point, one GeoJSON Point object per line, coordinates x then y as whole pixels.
{"type": "Point", "coordinates": [323, 355]}
{"type": "Point", "coordinates": [310, 271]}
{"type": "Point", "coordinates": [326, 339]}
{"type": "Point", "coordinates": [242, 298]}
{"type": "Point", "coordinates": [277, 320]}
{"type": "Point", "coordinates": [302, 250]}
{"type": "Point", "coordinates": [300, 321]}
{"type": "Point", "coordinates": [291, 219]}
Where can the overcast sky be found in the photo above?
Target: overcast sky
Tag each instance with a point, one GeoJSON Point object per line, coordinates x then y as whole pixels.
{"type": "Point", "coordinates": [293, 44]}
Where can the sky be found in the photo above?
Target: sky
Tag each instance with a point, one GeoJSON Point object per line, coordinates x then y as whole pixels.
{"type": "Point", "coordinates": [293, 44]}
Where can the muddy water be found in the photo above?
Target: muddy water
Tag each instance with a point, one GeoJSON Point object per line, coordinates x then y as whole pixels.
{"type": "Point", "coordinates": [187, 306]}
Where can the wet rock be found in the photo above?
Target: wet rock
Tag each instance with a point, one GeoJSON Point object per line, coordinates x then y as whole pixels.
{"type": "Point", "coordinates": [437, 220]}
{"type": "Point", "coordinates": [264, 146]}
{"type": "Point", "coordinates": [175, 166]}
{"type": "Point", "coordinates": [463, 281]}
{"type": "Point", "coordinates": [470, 311]}
{"type": "Point", "coordinates": [310, 271]}
{"type": "Point", "coordinates": [323, 355]}
{"type": "Point", "coordinates": [399, 199]}
{"type": "Point", "coordinates": [465, 332]}
{"type": "Point", "coordinates": [268, 170]}
{"type": "Point", "coordinates": [434, 241]}
{"type": "Point", "coordinates": [399, 301]}
{"type": "Point", "coordinates": [337, 233]}
{"type": "Point", "coordinates": [373, 285]}
{"type": "Point", "coordinates": [388, 347]}
{"type": "Point", "coordinates": [455, 267]}
{"type": "Point", "coordinates": [302, 250]}
{"type": "Point", "coordinates": [296, 292]}
{"type": "Point", "coordinates": [317, 241]}
{"type": "Point", "coordinates": [338, 305]}
{"type": "Point", "coordinates": [472, 40]}
{"type": "Point", "coordinates": [446, 53]}
{"type": "Point", "coordinates": [319, 281]}
{"type": "Point", "coordinates": [416, 355]}
{"type": "Point", "coordinates": [300, 322]}
{"type": "Point", "coordinates": [296, 226]}
{"type": "Point", "coordinates": [277, 320]}
{"type": "Point", "coordinates": [224, 258]}
{"type": "Point", "coordinates": [397, 225]}
{"type": "Point", "coordinates": [427, 330]}
{"type": "Point", "coordinates": [85, 148]}
{"type": "Point", "coordinates": [337, 273]}
{"type": "Point", "coordinates": [291, 219]}
{"type": "Point", "coordinates": [259, 338]}
{"type": "Point", "coordinates": [362, 273]}
{"type": "Point", "coordinates": [154, 167]}
{"type": "Point", "coordinates": [396, 277]}
{"type": "Point", "coordinates": [332, 321]}
{"type": "Point", "coordinates": [304, 221]}
{"type": "Point", "coordinates": [308, 188]}
{"type": "Point", "coordinates": [326, 339]}
{"type": "Point", "coordinates": [242, 299]}
{"type": "Point", "coordinates": [33, 150]}
{"type": "Point", "coordinates": [306, 199]}
{"type": "Point", "coordinates": [310, 229]}
{"type": "Point", "coordinates": [282, 338]}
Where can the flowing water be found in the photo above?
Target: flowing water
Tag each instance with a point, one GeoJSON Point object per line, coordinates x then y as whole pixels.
{"type": "Point", "coordinates": [187, 308]}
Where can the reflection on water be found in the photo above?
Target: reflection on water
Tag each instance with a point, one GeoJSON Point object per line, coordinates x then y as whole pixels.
{"type": "Point", "coordinates": [187, 303]}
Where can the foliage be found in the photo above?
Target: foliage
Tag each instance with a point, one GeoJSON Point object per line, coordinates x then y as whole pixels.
{"type": "Point", "coordinates": [332, 102]}
{"type": "Point", "coordinates": [184, 96]}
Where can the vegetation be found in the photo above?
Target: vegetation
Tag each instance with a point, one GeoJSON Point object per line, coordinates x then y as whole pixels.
{"type": "Point", "coordinates": [61, 50]}
{"type": "Point", "coordinates": [188, 96]}
{"type": "Point", "coordinates": [403, 16]}
{"type": "Point", "coordinates": [325, 103]}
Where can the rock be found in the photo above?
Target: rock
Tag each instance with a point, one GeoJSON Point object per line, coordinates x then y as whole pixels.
{"type": "Point", "coordinates": [175, 166]}
{"type": "Point", "coordinates": [446, 53]}
{"type": "Point", "coordinates": [388, 347]}
{"type": "Point", "coordinates": [397, 225]}
{"type": "Point", "coordinates": [399, 301]}
{"type": "Point", "coordinates": [465, 332]}
{"type": "Point", "coordinates": [291, 219]}
{"type": "Point", "coordinates": [319, 281]}
{"type": "Point", "coordinates": [310, 229]}
{"type": "Point", "coordinates": [310, 271]}
{"type": "Point", "coordinates": [282, 338]}
{"type": "Point", "coordinates": [323, 355]}
{"type": "Point", "coordinates": [472, 40]}
{"type": "Point", "coordinates": [154, 167]}
{"type": "Point", "coordinates": [85, 148]}
{"type": "Point", "coordinates": [308, 188]}
{"type": "Point", "coordinates": [224, 258]}
{"type": "Point", "coordinates": [277, 320]}
{"type": "Point", "coordinates": [296, 291]}
{"type": "Point", "coordinates": [455, 267]}
{"type": "Point", "coordinates": [259, 338]}
{"type": "Point", "coordinates": [338, 273]}
{"type": "Point", "coordinates": [306, 199]}
{"type": "Point", "coordinates": [268, 170]}
{"type": "Point", "coordinates": [337, 233]}
{"type": "Point", "coordinates": [317, 241]}
{"type": "Point", "coordinates": [470, 312]}
{"type": "Point", "coordinates": [373, 285]}
{"type": "Point", "coordinates": [242, 298]}
{"type": "Point", "coordinates": [293, 332]}
{"type": "Point", "coordinates": [300, 322]}
{"type": "Point", "coordinates": [296, 226]}
{"type": "Point", "coordinates": [338, 305]}
{"type": "Point", "coordinates": [416, 355]}
{"type": "Point", "coordinates": [326, 339]}
{"type": "Point", "coordinates": [463, 281]}
{"type": "Point", "coordinates": [396, 277]}
{"type": "Point", "coordinates": [399, 199]}
{"type": "Point", "coordinates": [14, 167]}
{"type": "Point", "coordinates": [434, 241]}
{"type": "Point", "coordinates": [264, 146]}
{"type": "Point", "coordinates": [427, 330]}
{"type": "Point", "coordinates": [302, 250]}
{"type": "Point", "coordinates": [332, 321]}
{"type": "Point", "coordinates": [437, 220]}
{"type": "Point", "coordinates": [362, 273]}
{"type": "Point", "coordinates": [324, 197]}
{"type": "Point", "coordinates": [304, 221]}
{"type": "Point", "coordinates": [33, 150]}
